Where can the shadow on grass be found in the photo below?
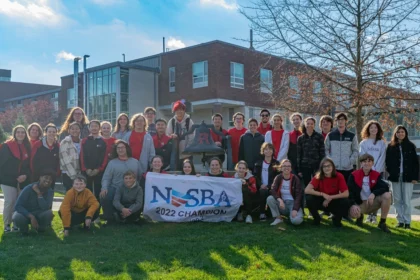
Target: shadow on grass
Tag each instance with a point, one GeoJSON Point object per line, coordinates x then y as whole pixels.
{"type": "Point", "coordinates": [201, 250]}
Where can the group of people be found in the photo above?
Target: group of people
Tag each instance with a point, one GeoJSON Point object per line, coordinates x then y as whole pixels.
{"type": "Point", "coordinates": [279, 169]}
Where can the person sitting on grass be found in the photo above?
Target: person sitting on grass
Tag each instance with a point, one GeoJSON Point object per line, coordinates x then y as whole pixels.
{"type": "Point", "coordinates": [368, 193]}
{"type": "Point", "coordinates": [34, 204]}
{"type": "Point", "coordinates": [286, 195]}
{"type": "Point", "coordinates": [249, 191]}
{"type": "Point", "coordinates": [327, 191]}
{"type": "Point", "coordinates": [216, 168]}
{"type": "Point", "coordinates": [79, 206]}
{"type": "Point", "coordinates": [128, 200]}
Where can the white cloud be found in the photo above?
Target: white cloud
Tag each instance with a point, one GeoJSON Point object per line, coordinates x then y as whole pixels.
{"type": "Point", "coordinates": [228, 5]}
{"type": "Point", "coordinates": [174, 44]}
{"type": "Point", "coordinates": [107, 2]}
{"type": "Point", "coordinates": [38, 74]}
{"type": "Point", "coordinates": [31, 13]}
{"type": "Point", "coordinates": [63, 55]}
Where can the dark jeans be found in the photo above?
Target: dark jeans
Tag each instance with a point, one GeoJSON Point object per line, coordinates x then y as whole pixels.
{"type": "Point", "coordinates": [67, 182]}
{"type": "Point", "coordinates": [107, 204]}
{"type": "Point", "coordinates": [79, 218]}
{"type": "Point", "coordinates": [346, 173]}
{"type": "Point", "coordinates": [263, 195]}
{"type": "Point", "coordinates": [130, 219]}
{"type": "Point", "coordinates": [338, 207]}
{"type": "Point", "coordinates": [249, 201]}
{"type": "Point", "coordinates": [44, 219]}
{"type": "Point", "coordinates": [94, 184]}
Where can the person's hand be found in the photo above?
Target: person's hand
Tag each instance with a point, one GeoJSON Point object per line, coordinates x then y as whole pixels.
{"type": "Point", "coordinates": [36, 189]}
{"type": "Point", "coordinates": [300, 174]}
{"type": "Point", "coordinates": [326, 197]}
{"type": "Point", "coordinates": [355, 211]}
{"type": "Point", "coordinates": [218, 143]}
{"type": "Point", "coordinates": [94, 172]}
{"type": "Point", "coordinates": [325, 203]}
{"type": "Point", "coordinates": [103, 193]}
{"type": "Point", "coordinates": [370, 199]}
{"type": "Point", "coordinates": [126, 212]}
{"type": "Point", "coordinates": [21, 178]}
{"type": "Point", "coordinates": [34, 223]}
{"type": "Point", "coordinates": [294, 214]}
{"type": "Point", "coordinates": [414, 182]}
{"type": "Point", "coordinates": [281, 204]}
{"type": "Point", "coordinates": [174, 136]}
{"type": "Point", "coordinates": [89, 172]}
{"type": "Point", "coordinates": [66, 233]}
{"type": "Point", "coordinates": [88, 222]}
{"type": "Point", "coordinates": [243, 181]}
{"type": "Point", "coordinates": [264, 187]}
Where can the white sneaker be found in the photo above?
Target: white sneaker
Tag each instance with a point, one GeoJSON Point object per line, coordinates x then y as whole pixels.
{"type": "Point", "coordinates": [276, 222]}
{"type": "Point", "coordinates": [97, 221]}
{"type": "Point", "coordinates": [263, 217]}
{"type": "Point", "coordinates": [7, 228]}
{"type": "Point", "coordinates": [373, 219]}
{"type": "Point", "coordinates": [248, 219]}
{"type": "Point", "coordinates": [368, 219]}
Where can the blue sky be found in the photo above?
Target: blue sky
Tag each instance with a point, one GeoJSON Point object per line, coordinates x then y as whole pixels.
{"type": "Point", "coordinates": [40, 38]}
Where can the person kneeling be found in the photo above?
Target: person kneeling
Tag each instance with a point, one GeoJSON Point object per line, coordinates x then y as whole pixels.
{"type": "Point", "coordinates": [286, 196]}
{"type": "Point", "coordinates": [249, 191]}
{"type": "Point", "coordinates": [79, 206]}
{"type": "Point", "coordinates": [328, 191]}
{"type": "Point", "coordinates": [34, 204]}
{"type": "Point", "coordinates": [368, 193]}
{"type": "Point", "coordinates": [128, 200]}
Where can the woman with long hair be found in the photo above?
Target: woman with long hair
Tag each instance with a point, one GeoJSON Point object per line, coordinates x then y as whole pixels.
{"type": "Point", "coordinates": [122, 126]}
{"type": "Point", "coordinates": [35, 133]}
{"type": "Point", "coordinates": [278, 137]}
{"type": "Point", "coordinates": [328, 191]}
{"type": "Point", "coordinates": [265, 171]}
{"type": "Point", "coordinates": [374, 144]}
{"type": "Point", "coordinates": [156, 166]}
{"type": "Point", "coordinates": [141, 142]}
{"type": "Point", "coordinates": [249, 191]}
{"type": "Point", "coordinates": [286, 195]}
{"type": "Point", "coordinates": [403, 168]}
{"type": "Point", "coordinates": [215, 169]}
{"type": "Point", "coordinates": [75, 115]}
{"type": "Point", "coordinates": [46, 153]}
{"type": "Point", "coordinates": [14, 171]}
{"type": "Point", "coordinates": [188, 168]}
{"type": "Point", "coordinates": [70, 156]}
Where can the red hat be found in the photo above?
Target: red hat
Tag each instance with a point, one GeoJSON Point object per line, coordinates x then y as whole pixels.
{"type": "Point", "coordinates": [178, 105]}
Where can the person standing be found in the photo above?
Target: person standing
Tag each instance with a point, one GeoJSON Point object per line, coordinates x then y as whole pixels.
{"type": "Point", "coordinates": [215, 169]}
{"type": "Point", "coordinates": [150, 114]}
{"type": "Point", "coordinates": [403, 168]}
{"type": "Point", "coordinates": [265, 170]}
{"type": "Point", "coordinates": [236, 133]}
{"type": "Point", "coordinates": [75, 115]}
{"type": "Point", "coordinates": [141, 142]}
{"type": "Point", "coordinates": [106, 128]}
{"type": "Point", "coordinates": [93, 158]}
{"type": "Point", "coordinates": [374, 144]}
{"type": "Point", "coordinates": [218, 139]}
{"type": "Point", "coordinates": [35, 133]}
{"type": "Point", "coordinates": [70, 148]}
{"type": "Point", "coordinates": [264, 122]}
{"type": "Point", "coordinates": [342, 146]}
{"type": "Point", "coordinates": [14, 171]}
{"type": "Point", "coordinates": [250, 144]}
{"type": "Point", "coordinates": [279, 138]}
{"type": "Point", "coordinates": [296, 120]}
{"type": "Point", "coordinates": [326, 125]}
{"type": "Point", "coordinates": [122, 126]}
{"type": "Point", "coordinates": [163, 143]}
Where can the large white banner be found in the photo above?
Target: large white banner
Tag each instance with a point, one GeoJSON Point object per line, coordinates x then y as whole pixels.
{"type": "Point", "coordinates": [171, 198]}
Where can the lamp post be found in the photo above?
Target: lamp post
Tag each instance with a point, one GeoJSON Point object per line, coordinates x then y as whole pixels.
{"type": "Point", "coordinates": [76, 79]}
{"type": "Point", "coordinates": [85, 57]}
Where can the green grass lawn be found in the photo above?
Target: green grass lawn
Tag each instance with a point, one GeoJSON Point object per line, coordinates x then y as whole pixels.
{"type": "Point", "coordinates": [213, 251]}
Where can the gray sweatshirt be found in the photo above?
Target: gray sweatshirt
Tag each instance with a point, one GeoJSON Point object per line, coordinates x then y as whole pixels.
{"type": "Point", "coordinates": [131, 198]}
{"type": "Point", "coordinates": [114, 172]}
{"type": "Point", "coordinates": [378, 151]}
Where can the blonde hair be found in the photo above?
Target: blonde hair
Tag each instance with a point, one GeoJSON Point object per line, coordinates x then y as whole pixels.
{"type": "Point", "coordinates": [135, 117]}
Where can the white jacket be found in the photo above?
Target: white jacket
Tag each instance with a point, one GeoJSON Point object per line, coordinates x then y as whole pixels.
{"type": "Point", "coordinates": [284, 145]}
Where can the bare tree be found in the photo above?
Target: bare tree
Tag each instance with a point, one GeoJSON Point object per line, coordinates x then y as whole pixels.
{"type": "Point", "coordinates": [357, 56]}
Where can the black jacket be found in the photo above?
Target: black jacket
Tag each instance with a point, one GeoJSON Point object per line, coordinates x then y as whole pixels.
{"type": "Point", "coordinates": [12, 167]}
{"type": "Point", "coordinates": [310, 151]}
{"type": "Point", "coordinates": [272, 172]}
{"type": "Point", "coordinates": [410, 161]}
{"type": "Point", "coordinates": [250, 148]}
{"type": "Point", "coordinates": [355, 183]}
{"type": "Point", "coordinates": [93, 154]}
{"type": "Point", "coordinates": [44, 157]}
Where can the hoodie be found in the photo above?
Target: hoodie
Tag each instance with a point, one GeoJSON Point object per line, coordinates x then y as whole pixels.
{"type": "Point", "coordinates": [131, 198]}
{"type": "Point", "coordinates": [250, 148]}
{"type": "Point", "coordinates": [180, 129]}
{"type": "Point", "coordinates": [378, 151]}
{"type": "Point", "coordinates": [251, 183]}
{"type": "Point", "coordinates": [44, 157]}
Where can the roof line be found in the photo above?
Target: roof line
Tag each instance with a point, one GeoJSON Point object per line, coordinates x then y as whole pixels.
{"type": "Point", "coordinates": [32, 95]}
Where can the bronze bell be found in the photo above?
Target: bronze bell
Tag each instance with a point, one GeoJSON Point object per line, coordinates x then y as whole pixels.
{"type": "Point", "coordinates": [203, 143]}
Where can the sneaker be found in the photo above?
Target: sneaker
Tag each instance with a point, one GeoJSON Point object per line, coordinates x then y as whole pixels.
{"type": "Point", "coordinates": [15, 228]}
{"type": "Point", "coordinates": [240, 217]}
{"type": "Point", "coordinates": [368, 219]}
{"type": "Point", "coordinates": [373, 219]}
{"type": "Point", "coordinates": [359, 221]}
{"type": "Point", "coordinates": [276, 222]}
{"type": "Point", "coordinates": [248, 219]}
{"type": "Point", "coordinates": [263, 217]}
{"type": "Point", "coordinates": [97, 221]}
{"type": "Point", "coordinates": [407, 226]}
{"type": "Point", "coordinates": [325, 213]}
{"type": "Point", "coordinates": [7, 228]}
{"type": "Point", "coordinates": [400, 225]}
{"type": "Point", "coordinates": [384, 228]}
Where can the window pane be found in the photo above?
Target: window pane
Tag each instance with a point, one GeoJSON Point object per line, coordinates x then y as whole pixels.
{"type": "Point", "coordinates": [105, 89]}
{"type": "Point", "coordinates": [99, 85]}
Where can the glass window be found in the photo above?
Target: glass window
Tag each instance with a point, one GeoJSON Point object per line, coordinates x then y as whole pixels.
{"type": "Point", "coordinates": [231, 113]}
{"type": "Point", "coordinates": [54, 95]}
{"type": "Point", "coordinates": [99, 84]}
{"type": "Point", "coordinates": [124, 80]}
{"type": "Point", "coordinates": [294, 86]}
{"type": "Point", "coordinates": [200, 74]}
{"type": "Point", "coordinates": [236, 75]}
{"type": "Point", "coordinates": [71, 98]}
{"type": "Point", "coordinates": [317, 89]}
{"type": "Point", "coordinates": [266, 81]}
{"type": "Point", "coordinates": [171, 79]}
{"type": "Point", "coordinates": [55, 104]}
{"type": "Point", "coordinates": [105, 86]}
